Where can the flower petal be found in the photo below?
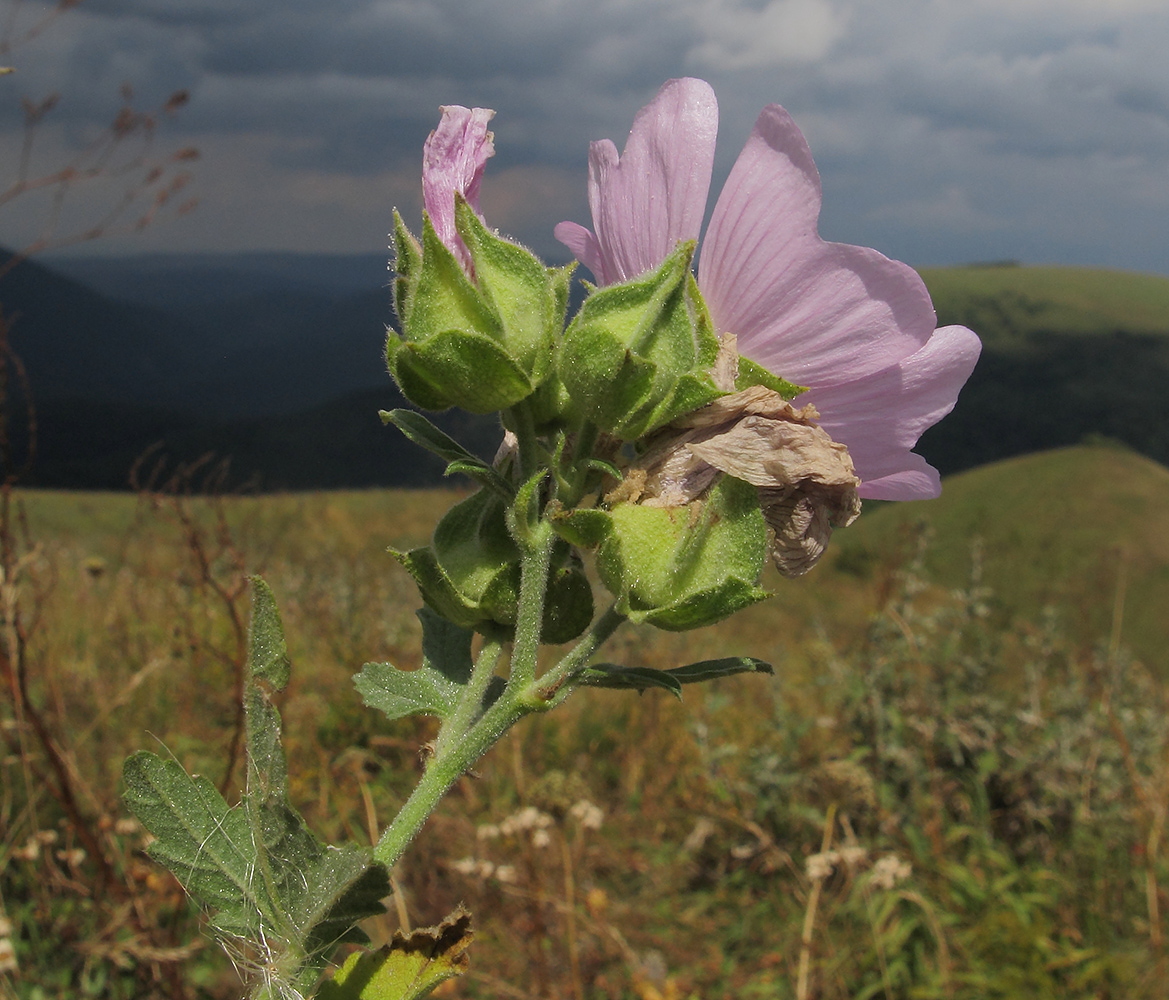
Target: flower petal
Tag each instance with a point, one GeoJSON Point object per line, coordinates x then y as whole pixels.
{"type": "Point", "coordinates": [453, 160]}
{"type": "Point", "coordinates": [584, 247]}
{"type": "Point", "coordinates": [654, 194]}
{"type": "Point", "coordinates": [880, 417]}
{"type": "Point", "coordinates": [815, 313]}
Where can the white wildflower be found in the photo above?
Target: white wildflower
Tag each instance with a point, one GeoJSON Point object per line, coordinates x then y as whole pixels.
{"type": "Point", "coordinates": [820, 866]}
{"type": "Point", "coordinates": [587, 815]}
{"type": "Point", "coordinates": [890, 870]}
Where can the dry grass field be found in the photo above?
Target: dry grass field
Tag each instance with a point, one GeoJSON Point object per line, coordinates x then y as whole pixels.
{"type": "Point", "coordinates": [956, 784]}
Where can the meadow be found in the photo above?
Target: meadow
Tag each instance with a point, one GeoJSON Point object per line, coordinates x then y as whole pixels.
{"type": "Point", "coordinates": [955, 785]}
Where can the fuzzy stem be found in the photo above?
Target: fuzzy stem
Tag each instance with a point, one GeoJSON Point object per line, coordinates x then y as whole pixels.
{"type": "Point", "coordinates": [444, 770]}
{"type": "Point", "coordinates": [533, 593]}
{"type": "Point", "coordinates": [472, 700]}
{"type": "Point", "coordinates": [546, 687]}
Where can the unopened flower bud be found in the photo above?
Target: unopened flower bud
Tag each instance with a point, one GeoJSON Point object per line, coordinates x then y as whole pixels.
{"type": "Point", "coordinates": [478, 313]}
{"type": "Point", "coordinates": [640, 353]}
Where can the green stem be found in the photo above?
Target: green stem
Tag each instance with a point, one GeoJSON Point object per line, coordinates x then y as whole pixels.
{"type": "Point", "coordinates": [525, 432]}
{"type": "Point", "coordinates": [443, 771]}
{"type": "Point", "coordinates": [546, 689]}
{"type": "Point", "coordinates": [472, 699]}
{"type": "Point", "coordinates": [533, 594]}
{"type": "Point", "coordinates": [457, 751]}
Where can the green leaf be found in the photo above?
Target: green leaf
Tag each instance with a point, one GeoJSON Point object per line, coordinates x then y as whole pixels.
{"type": "Point", "coordinates": [257, 866]}
{"type": "Point", "coordinates": [611, 675]}
{"type": "Point", "coordinates": [408, 968]}
{"type": "Point", "coordinates": [203, 841]}
{"type": "Point", "coordinates": [424, 434]}
{"type": "Point", "coordinates": [708, 670]}
{"type": "Point", "coordinates": [435, 687]}
{"type": "Point", "coordinates": [267, 653]}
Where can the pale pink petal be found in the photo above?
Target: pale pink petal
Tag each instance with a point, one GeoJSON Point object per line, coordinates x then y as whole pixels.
{"type": "Point", "coordinates": [813, 312]}
{"type": "Point", "coordinates": [654, 195]}
{"type": "Point", "coordinates": [584, 247]}
{"type": "Point", "coordinates": [917, 481]}
{"type": "Point", "coordinates": [453, 160]}
{"type": "Point", "coordinates": [881, 416]}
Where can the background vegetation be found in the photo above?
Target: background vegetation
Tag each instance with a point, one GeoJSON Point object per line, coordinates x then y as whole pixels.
{"type": "Point", "coordinates": [956, 785]}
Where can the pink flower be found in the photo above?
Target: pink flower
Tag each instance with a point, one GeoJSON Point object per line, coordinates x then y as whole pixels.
{"type": "Point", "coordinates": [452, 161]}
{"type": "Point", "coordinates": [856, 327]}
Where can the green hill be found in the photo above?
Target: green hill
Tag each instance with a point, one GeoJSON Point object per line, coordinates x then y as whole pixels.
{"type": "Point", "coordinates": [1004, 303]}
{"type": "Point", "coordinates": [1070, 355]}
{"type": "Point", "coordinates": [1073, 528]}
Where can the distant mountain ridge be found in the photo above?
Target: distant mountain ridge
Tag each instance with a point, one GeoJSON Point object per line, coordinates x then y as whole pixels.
{"type": "Point", "coordinates": [277, 360]}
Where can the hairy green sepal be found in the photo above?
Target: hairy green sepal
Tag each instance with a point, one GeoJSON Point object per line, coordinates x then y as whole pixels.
{"type": "Point", "coordinates": [481, 342]}
{"type": "Point", "coordinates": [678, 568]}
{"type": "Point", "coordinates": [640, 353]}
{"type": "Point", "coordinates": [470, 573]}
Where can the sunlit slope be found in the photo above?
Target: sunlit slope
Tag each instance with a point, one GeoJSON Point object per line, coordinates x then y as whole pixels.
{"type": "Point", "coordinates": [1005, 302]}
{"type": "Point", "coordinates": [1069, 528]}
{"type": "Point", "coordinates": [1072, 528]}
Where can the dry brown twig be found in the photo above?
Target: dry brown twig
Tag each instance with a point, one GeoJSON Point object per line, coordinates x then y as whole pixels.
{"type": "Point", "coordinates": [129, 185]}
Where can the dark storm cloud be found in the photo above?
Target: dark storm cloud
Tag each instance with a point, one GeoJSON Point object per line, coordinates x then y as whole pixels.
{"type": "Point", "coordinates": [979, 127]}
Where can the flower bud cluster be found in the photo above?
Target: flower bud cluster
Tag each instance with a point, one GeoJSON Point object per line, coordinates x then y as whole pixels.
{"type": "Point", "coordinates": [635, 433]}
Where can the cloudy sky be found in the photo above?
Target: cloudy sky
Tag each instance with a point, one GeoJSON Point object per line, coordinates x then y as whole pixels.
{"type": "Point", "coordinates": [946, 131]}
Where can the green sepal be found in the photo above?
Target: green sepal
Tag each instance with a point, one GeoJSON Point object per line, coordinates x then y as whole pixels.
{"type": "Point", "coordinates": [470, 573]}
{"type": "Point", "coordinates": [527, 298]}
{"type": "Point", "coordinates": [706, 608]}
{"type": "Point", "coordinates": [523, 516]}
{"type": "Point", "coordinates": [677, 568]}
{"type": "Point", "coordinates": [407, 264]}
{"type": "Point", "coordinates": [455, 367]}
{"type": "Point", "coordinates": [443, 297]}
{"type": "Point", "coordinates": [436, 588]}
{"type": "Point", "coordinates": [751, 374]}
{"type": "Point", "coordinates": [638, 354]}
{"type": "Point", "coordinates": [568, 606]}
{"type": "Point", "coordinates": [584, 527]}
{"type": "Point", "coordinates": [477, 553]}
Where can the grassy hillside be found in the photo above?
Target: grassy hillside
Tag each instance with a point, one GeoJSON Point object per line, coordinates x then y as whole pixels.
{"type": "Point", "coordinates": [1058, 528]}
{"type": "Point", "coordinates": [972, 750]}
{"type": "Point", "coordinates": [1074, 528]}
{"type": "Point", "coordinates": [1005, 302]}
{"type": "Point", "coordinates": [1070, 355]}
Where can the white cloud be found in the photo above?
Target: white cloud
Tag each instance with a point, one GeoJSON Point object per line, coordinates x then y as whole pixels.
{"type": "Point", "coordinates": [733, 36]}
